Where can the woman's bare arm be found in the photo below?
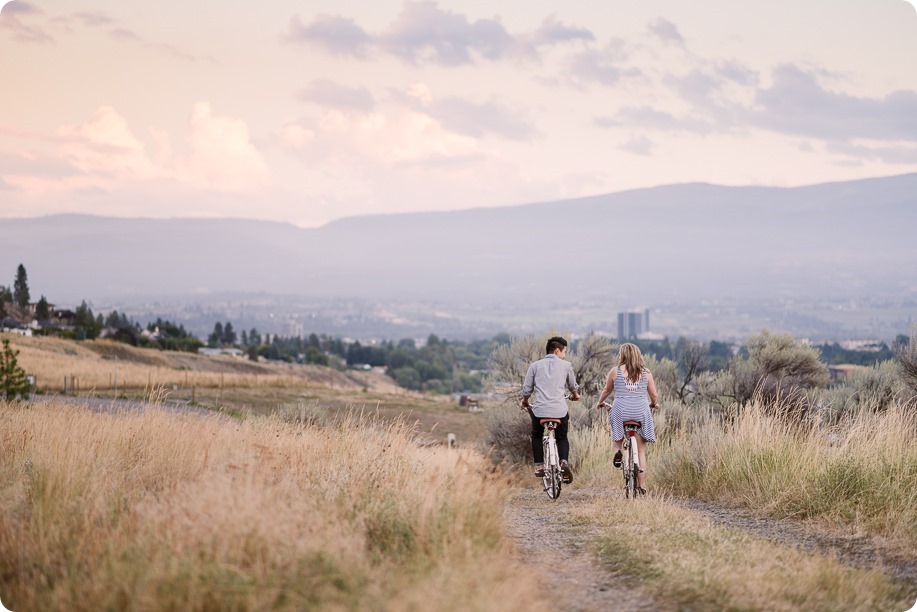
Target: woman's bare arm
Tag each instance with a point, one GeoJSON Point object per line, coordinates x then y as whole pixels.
{"type": "Point", "coordinates": [609, 387]}
{"type": "Point", "coordinates": [651, 388]}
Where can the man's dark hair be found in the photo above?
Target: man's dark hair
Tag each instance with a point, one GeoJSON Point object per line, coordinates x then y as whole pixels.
{"type": "Point", "coordinates": [554, 343]}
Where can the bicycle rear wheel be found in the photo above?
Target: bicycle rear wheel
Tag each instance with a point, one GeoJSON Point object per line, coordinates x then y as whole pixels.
{"type": "Point", "coordinates": [630, 471]}
{"type": "Point", "coordinates": [552, 475]}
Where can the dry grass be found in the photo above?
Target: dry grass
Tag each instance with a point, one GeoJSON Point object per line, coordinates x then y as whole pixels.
{"type": "Point", "coordinates": [101, 365]}
{"type": "Point", "coordinates": [693, 564]}
{"type": "Point", "coordinates": [152, 510]}
{"type": "Point", "coordinates": [858, 476]}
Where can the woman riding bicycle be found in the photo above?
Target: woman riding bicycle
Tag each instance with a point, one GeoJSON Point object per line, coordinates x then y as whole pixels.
{"type": "Point", "coordinates": [631, 381]}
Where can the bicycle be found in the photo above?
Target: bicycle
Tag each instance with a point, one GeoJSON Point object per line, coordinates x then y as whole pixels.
{"type": "Point", "coordinates": [630, 458]}
{"type": "Point", "coordinates": [553, 476]}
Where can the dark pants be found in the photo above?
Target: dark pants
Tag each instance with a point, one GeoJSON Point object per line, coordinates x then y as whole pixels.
{"type": "Point", "coordinates": [560, 434]}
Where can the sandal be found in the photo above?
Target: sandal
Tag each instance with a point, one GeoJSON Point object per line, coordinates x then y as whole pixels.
{"type": "Point", "coordinates": [539, 472]}
{"type": "Point", "coordinates": [617, 460]}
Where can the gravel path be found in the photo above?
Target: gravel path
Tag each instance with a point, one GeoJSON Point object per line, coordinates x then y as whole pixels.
{"type": "Point", "coordinates": [545, 538]}
{"type": "Point", "coordinates": [115, 405]}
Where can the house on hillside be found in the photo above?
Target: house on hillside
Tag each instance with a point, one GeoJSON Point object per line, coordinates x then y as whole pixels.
{"type": "Point", "coordinates": [63, 316]}
{"type": "Point", "coordinates": [10, 326]}
{"type": "Point", "coordinates": [211, 352]}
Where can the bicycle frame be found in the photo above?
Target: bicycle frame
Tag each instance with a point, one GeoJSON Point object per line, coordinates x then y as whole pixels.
{"type": "Point", "coordinates": [552, 474]}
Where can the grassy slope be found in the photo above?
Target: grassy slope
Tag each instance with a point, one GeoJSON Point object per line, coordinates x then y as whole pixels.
{"type": "Point", "coordinates": [237, 385]}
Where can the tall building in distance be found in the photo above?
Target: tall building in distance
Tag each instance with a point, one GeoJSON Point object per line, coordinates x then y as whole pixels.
{"type": "Point", "coordinates": [633, 323]}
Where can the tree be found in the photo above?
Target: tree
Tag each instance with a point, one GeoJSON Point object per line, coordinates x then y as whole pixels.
{"type": "Point", "coordinates": [85, 324]}
{"type": "Point", "coordinates": [776, 366]}
{"type": "Point", "coordinates": [6, 297]}
{"type": "Point", "coordinates": [229, 334]}
{"type": "Point", "coordinates": [216, 338]}
{"type": "Point", "coordinates": [21, 287]}
{"type": "Point", "coordinates": [13, 380]}
{"type": "Point", "coordinates": [906, 356]}
{"type": "Point", "coordinates": [689, 360]}
{"type": "Point", "coordinates": [43, 309]}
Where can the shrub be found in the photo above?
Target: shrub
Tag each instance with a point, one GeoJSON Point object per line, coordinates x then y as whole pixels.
{"type": "Point", "coordinates": [774, 367]}
{"type": "Point", "coordinates": [871, 389]}
{"type": "Point", "coordinates": [13, 380]}
{"type": "Point", "coordinates": [906, 357]}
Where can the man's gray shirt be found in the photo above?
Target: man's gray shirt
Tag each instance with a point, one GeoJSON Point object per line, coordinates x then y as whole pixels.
{"type": "Point", "coordinates": [549, 378]}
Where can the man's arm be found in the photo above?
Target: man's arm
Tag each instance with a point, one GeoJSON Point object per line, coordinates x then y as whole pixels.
{"type": "Point", "coordinates": [528, 386]}
{"type": "Point", "coordinates": [571, 384]}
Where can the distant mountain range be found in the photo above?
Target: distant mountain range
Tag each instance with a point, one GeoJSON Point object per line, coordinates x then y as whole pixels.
{"type": "Point", "coordinates": [690, 241]}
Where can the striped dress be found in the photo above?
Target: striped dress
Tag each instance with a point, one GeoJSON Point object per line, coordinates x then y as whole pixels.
{"type": "Point", "coordinates": [631, 404]}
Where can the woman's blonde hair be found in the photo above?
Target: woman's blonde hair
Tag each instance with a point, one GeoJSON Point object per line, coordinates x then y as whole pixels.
{"type": "Point", "coordinates": [630, 357]}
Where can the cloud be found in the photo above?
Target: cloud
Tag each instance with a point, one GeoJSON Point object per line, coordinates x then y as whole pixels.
{"type": "Point", "coordinates": [105, 146]}
{"type": "Point", "coordinates": [467, 117]}
{"type": "Point", "coordinates": [103, 154]}
{"type": "Point", "coordinates": [18, 8]}
{"type": "Point", "coordinates": [223, 157]}
{"type": "Point", "coordinates": [639, 146]}
{"type": "Point", "coordinates": [129, 36]}
{"type": "Point", "coordinates": [666, 31]}
{"type": "Point", "coordinates": [337, 35]}
{"type": "Point", "coordinates": [327, 93]}
{"type": "Point", "coordinates": [604, 66]}
{"type": "Point", "coordinates": [404, 134]}
{"type": "Point", "coordinates": [481, 119]}
{"type": "Point", "coordinates": [13, 20]}
{"type": "Point", "coordinates": [729, 97]}
{"type": "Point", "coordinates": [795, 103]}
{"type": "Point", "coordinates": [903, 154]}
{"type": "Point", "coordinates": [93, 19]}
{"type": "Point", "coordinates": [425, 33]}
{"type": "Point", "coordinates": [650, 118]}
{"type": "Point", "coordinates": [552, 32]}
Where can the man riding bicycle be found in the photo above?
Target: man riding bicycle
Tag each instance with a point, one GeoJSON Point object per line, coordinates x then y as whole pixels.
{"type": "Point", "coordinates": [549, 378]}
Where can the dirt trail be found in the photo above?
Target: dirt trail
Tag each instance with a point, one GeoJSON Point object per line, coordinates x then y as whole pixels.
{"type": "Point", "coordinates": [546, 538]}
{"type": "Point", "coordinates": [855, 551]}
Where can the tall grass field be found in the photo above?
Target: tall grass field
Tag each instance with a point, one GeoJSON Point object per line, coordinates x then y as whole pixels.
{"type": "Point", "coordinates": [855, 477]}
{"type": "Point", "coordinates": [150, 510]}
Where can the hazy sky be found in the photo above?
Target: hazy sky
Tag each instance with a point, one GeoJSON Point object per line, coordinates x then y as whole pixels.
{"type": "Point", "coordinates": [310, 111]}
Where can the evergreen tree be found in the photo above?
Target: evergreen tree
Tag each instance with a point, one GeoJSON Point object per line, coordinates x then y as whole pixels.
{"type": "Point", "coordinates": [13, 381]}
{"type": "Point", "coordinates": [216, 338]}
{"type": "Point", "coordinates": [229, 334]}
{"type": "Point", "coordinates": [6, 297]}
{"type": "Point", "coordinates": [21, 287]}
{"type": "Point", "coordinates": [85, 324]}
{"type": "Point", "coordinates": [43, 309]}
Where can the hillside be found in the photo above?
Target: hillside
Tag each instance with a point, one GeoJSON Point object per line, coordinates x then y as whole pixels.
{"type": "Point", "coordinates": [106, 369]}
{"type": "Point", "coordinates": [692, 240]}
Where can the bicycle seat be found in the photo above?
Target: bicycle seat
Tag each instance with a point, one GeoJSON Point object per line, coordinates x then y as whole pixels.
{"type": "Point", "coordinates": [634, 423]}
{"type": "Point", "coordinates": [543, 421]}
